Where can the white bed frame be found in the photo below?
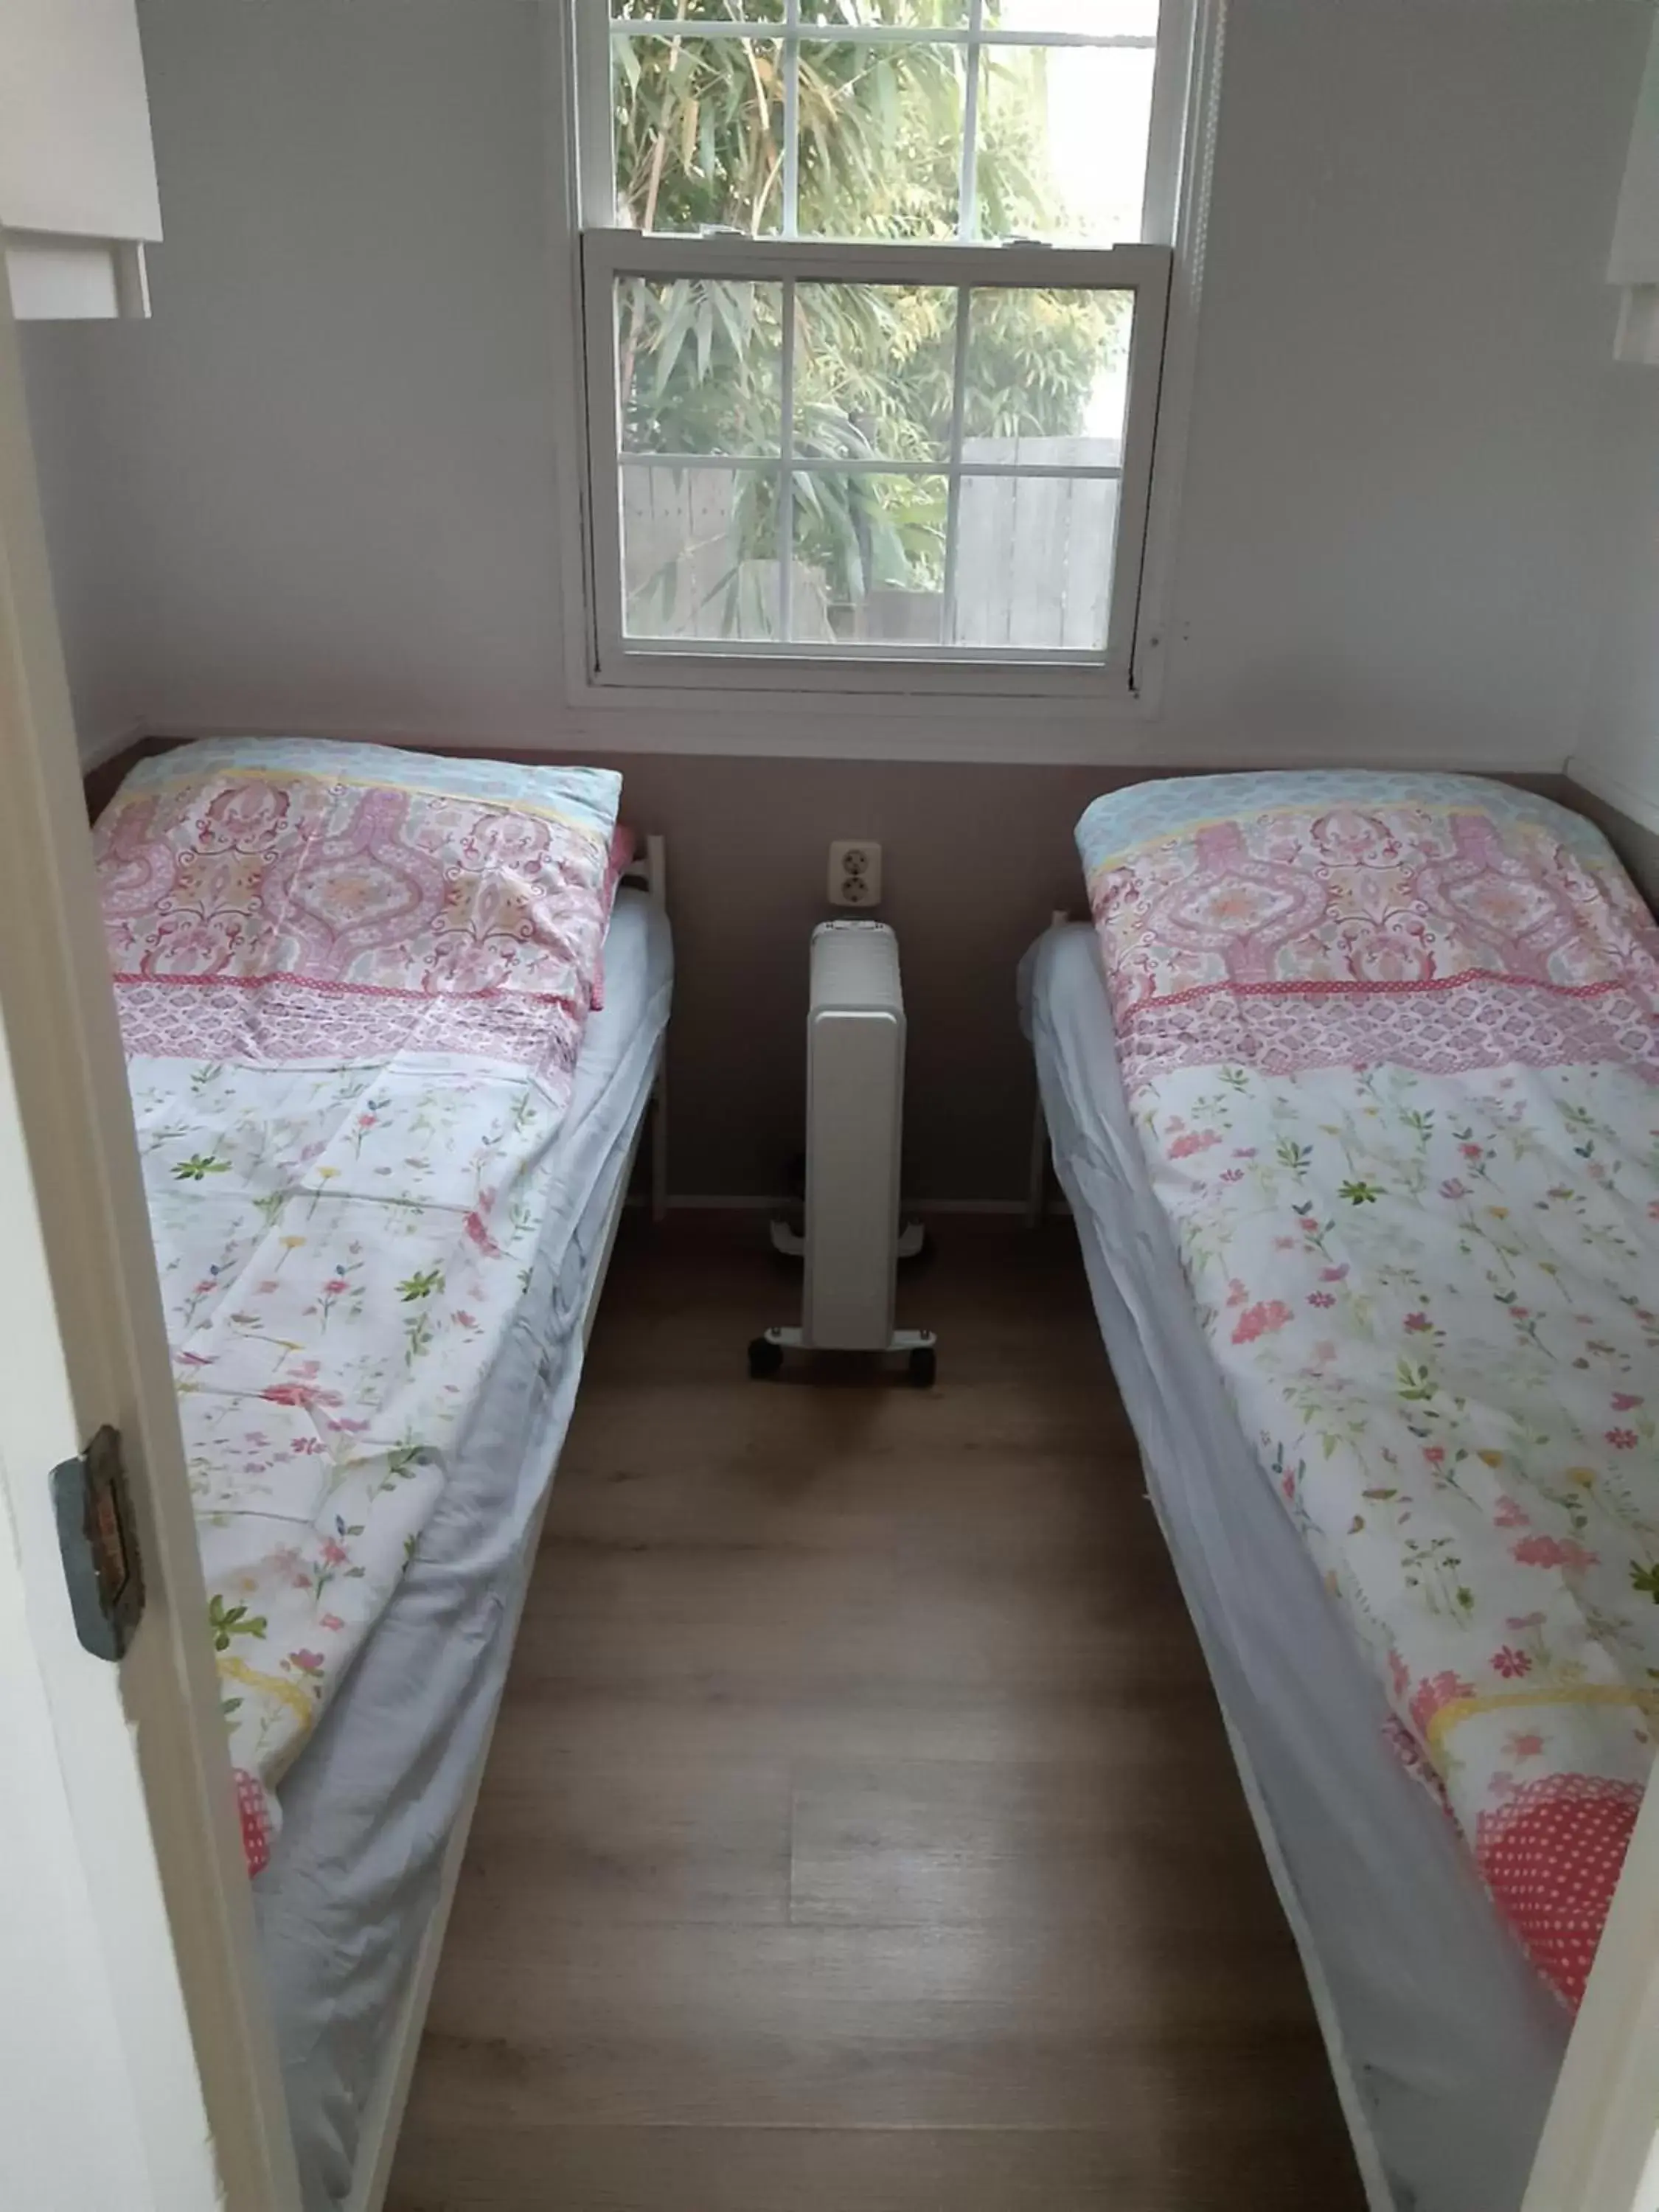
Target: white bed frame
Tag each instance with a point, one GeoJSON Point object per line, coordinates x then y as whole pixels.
{"type": "Point", "coordinates": [383, 2114]}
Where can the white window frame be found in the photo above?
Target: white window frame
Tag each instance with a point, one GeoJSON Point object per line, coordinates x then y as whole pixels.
{"type": "Point", "coordinates": [756, 665]}
{"type": "Point", "coordinates": [963, 683]}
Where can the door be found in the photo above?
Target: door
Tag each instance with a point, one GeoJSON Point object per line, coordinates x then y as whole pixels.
{"type": "Point", "coordinates": [136, 2063]}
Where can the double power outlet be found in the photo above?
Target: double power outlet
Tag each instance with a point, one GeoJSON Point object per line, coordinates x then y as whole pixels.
{"type": "Point", "coordinates": [855, 872]}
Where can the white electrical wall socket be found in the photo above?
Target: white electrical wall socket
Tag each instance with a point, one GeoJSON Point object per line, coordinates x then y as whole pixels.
{"type": "Point", "coordinates": [855, 872]}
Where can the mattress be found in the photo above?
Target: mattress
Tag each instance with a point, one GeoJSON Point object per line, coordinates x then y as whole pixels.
{"type": "Point", "coordinates": [352, 985]}
{"type": "Point", "coordinates": [1444, 2042]}
{"type": "Point", "coordinates": [367, 1812]}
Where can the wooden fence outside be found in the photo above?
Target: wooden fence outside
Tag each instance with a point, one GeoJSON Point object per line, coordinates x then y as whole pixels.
{"type": "Point", "coordinates": [1034, 558]}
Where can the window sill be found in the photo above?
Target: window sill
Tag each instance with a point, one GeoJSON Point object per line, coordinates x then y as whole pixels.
{"type": "Point", "coordinates": [739, 684]}
{"type": "Point", "coordinates": [1100, 726]}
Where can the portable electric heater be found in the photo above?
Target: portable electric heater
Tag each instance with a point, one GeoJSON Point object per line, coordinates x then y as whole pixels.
{"type": "Point", "coordinates": [854, 1122]}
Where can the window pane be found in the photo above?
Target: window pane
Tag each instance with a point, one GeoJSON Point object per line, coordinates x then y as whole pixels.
{"type": "Point", "coordinates": [700, 553]}
{"type": "Point", "coordinates": [1049, 365]}
{"type": "Point", "coordinates": [869, 557]}
{"type": "Point", "coordinates": [880, 140]}
{"type": "Point", "coordinates": [699, 364]}
{"type": "Point", "coordinates": [1034, 562]}
{"type": "Point", "coordinates": [699, 133]}
{"type": "Point", "coordinates": [1062, 141]}
{"type": "Point", "coordinates": [1061, 138]}
{"type": "Point", "coordinates": [874, 366]}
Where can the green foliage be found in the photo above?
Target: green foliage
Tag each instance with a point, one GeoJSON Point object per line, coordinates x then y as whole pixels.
{"type": "Point", "coordinates": [699, 133]}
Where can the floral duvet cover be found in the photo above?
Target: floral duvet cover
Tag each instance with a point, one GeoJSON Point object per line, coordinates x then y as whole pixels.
{"type": "Point", "coordinates": [352, 985]}
{"type": "Point", "coordinates": [1392, 1045]}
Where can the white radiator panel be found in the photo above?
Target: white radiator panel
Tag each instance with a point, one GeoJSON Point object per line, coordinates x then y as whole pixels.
{"type": "Point", "coordinates": [854, 1097]}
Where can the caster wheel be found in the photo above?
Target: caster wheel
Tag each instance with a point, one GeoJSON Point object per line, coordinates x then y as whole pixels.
{"type": "Point", "coordinates": [765, 1359]}
{"type": "Point", "coordinates": [924, 1367]}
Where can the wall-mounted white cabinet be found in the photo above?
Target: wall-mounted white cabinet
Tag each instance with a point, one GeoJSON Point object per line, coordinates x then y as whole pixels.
{"type": "Point", "coordinates": [78, 201]}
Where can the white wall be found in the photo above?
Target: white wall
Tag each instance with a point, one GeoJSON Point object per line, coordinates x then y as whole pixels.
{"type": "Point", "coordinates": [1394, 466]}
{"type": "Point", "coordinates": [322, 481]}
{"type": "Point", "coordinates": [99, 581]}
{"type": "Point", "coordinates": [1617, 760]}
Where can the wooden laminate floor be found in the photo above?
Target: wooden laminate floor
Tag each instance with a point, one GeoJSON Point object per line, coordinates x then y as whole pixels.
{"type": "Point", "coordinates": [860, 1835]}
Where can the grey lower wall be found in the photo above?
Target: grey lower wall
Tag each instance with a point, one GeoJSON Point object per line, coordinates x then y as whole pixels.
{"type": "Point", "coordinates": [974, 860]}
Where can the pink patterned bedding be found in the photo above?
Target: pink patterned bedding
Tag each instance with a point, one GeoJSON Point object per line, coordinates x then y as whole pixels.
{"type": "Point", "coordinates": [353, 984]}
{"type": "Point", "coordinates": [1392, 1045]}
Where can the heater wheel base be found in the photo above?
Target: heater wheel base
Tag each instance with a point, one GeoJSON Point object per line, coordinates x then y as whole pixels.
{"type": "Point", "coordinates": [918, 1348]}
{"type": "Point", "coordinates": [765, 1359]}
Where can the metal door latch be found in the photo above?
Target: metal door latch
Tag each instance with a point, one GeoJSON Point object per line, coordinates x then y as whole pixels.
{"type": "Point", "coordinates": [95, 1535]}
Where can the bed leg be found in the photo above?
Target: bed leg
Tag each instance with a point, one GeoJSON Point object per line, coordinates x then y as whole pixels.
{"type": "Point", "coordinates": [1036, 1189]}
{"type": "Point", "coordinates": [659, 1142]}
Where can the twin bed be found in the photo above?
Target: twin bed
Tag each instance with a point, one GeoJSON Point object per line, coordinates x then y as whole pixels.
{"type": "Point", "coordinates": [392, 1024]}
{"type": "Point", "coordinates": [1353, 1088]}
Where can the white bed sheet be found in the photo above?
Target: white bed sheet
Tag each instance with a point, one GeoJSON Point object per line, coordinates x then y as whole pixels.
{"type": "Point", "coordinates": [1445, 2043]}
{"type": "Point", "coordinates": [367, 1810]}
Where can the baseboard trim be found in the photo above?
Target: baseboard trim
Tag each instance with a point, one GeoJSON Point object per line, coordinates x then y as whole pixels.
{"type": "Point", "coordinates": [712, 1202]}
{"type": "Point", "coordinates": [999, 1207]}
{"type": "Point", "coordinates": [709, 1202]}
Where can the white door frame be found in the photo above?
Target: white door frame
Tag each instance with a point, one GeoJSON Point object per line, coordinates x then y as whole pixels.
{"type": "Point", "coordinates": [158, 2037]}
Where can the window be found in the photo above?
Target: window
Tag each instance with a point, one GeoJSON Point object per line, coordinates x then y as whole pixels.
{"type": "Point", "coordinates": [873, 344]}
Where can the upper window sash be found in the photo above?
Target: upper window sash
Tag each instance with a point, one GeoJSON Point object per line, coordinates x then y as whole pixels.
{"type": "Point", "coordinates": [597, 33]}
